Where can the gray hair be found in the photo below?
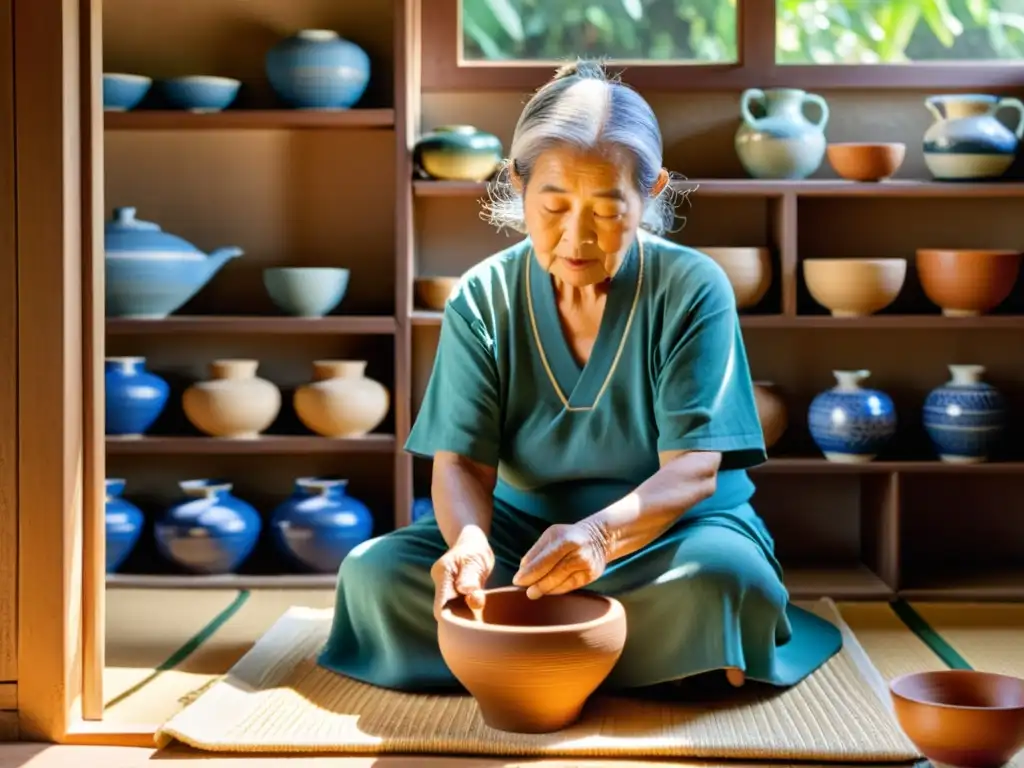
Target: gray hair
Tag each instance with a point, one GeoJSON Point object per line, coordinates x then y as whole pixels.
{"type": "Point", "coordinates": [583, 108]}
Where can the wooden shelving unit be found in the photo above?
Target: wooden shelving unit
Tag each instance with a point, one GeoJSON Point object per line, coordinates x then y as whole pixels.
{"type": "Point", "coordinates": [264, 326]}
{"type": "Point", "coordinates": [239, 119]}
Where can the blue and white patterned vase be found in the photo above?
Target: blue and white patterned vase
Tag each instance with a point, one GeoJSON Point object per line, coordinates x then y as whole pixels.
{"type": "Point", "coordinates": [967, 141]}
{"type": "Point", "coordinates": [318, 69]}
{"type": "Point", "coordinates": [783, 144]}
{"type": "Point", "coordinates": [965, 417]}
{"type": "Point", "coordinates": [421, 508]}
{"type": "Point", "coordinates": [211, 531]}
{"type": "Point", "coordinates": [319, 524]}
{"type": "Point", "coordinates": [124, 525]}
{"type": "Point", "coordinates": [135, 398]}
{"type": "Point", "coordinates": [851, 424]}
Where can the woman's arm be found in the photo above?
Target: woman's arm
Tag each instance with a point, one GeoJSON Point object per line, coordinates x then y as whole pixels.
{"type": "Point", "coordinates": [463, 495]}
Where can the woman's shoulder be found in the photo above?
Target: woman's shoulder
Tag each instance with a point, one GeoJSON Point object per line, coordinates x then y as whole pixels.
{"type": "Point", "coordinates": [684, 277]}
{"type": "Point", "coordinates": [486, 291]}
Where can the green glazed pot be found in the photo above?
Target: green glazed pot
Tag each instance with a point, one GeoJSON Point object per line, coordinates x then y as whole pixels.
{"type": "Point", "coordinates": [458, 153]}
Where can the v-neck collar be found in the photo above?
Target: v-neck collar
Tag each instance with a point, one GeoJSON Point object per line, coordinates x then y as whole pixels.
{"type": "Point", "coordinates": [581, 387]}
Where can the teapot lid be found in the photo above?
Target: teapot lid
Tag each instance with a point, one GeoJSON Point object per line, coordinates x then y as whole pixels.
{"type": "Point", "coordinates": [125, 233]}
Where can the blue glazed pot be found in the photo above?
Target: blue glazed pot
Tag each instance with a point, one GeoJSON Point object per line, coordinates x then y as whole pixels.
{"type": "Point", "coordinates": [318, 69]}
{"type": "Point", "coordinates": [851, 424]}
{"type": "Point", "coordinates": [783, 144]}
{"type": "Point", "coordinates": [457, 153]}
{"type": "Point", "coordinates": [965, 417]}
{"type": "Point", "coordinates": [151, 273]}
{"type": "Point", "coordinates": [124, 525]}
{"type": "Point", "coordinates": [967, 141]}
{"type": "Point", "coordinates": [209, 532]}
{"type": "Point", "coordinates": [421, 508]}
{"type": "Point", "coordinates": [134, 396]}
{"type": "Point", "coordinates": [319, 524]}
{"type": "Point", "coordinates": [122, 92]}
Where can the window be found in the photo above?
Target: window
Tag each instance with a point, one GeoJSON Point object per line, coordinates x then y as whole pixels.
{"type": "Point", "coordinates": [898, 31]}
{"type": "Point", "coordinates": [654, 31]}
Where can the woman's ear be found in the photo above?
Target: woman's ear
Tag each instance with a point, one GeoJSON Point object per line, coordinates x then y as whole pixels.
{"type": "Point", "coordinates": [515, 178]}
{"type": "Point", "coordinates": [660, 184]}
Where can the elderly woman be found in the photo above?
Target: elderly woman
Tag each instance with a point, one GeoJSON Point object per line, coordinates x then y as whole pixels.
{"type": "Point", "coordinates": [590, 416]}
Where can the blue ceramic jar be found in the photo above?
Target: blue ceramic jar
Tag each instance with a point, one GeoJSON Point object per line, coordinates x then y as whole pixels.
{"type": "Point", "coordinates": [421, 508]}
{"type": "Point", "coordinates": [319, 524]}
{"type": "Point", "coordinates": [124, 525]}
{"type": "Point", "coordinates": [134, 396]}
{"type": "Point", "coordinates": [849, 423]}
{"type": "Point", "coordinates": [318, 69]}
{"type": "Point", "coordinates": [457, 153]}
{"type": "Point", "coordinates": [967, 140]}
{"type": "Point", "coordinates": [965, 417]}
{"type": "Point", "coordinates": [210, 531]}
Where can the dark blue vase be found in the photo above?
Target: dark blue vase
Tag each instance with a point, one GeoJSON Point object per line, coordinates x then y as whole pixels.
{"type": "Point", "coordinates": [124, 525]}
{"type": "Point", "coordinates": [134, 396]}
{"type": "Point", "coordinates": [319, 524]}
{"type": "Point", "coordinates": [422, 507]}
{"type": "Point", "coordinates": [210, 531]}
{"type": "Point", "coordinates": [318, 69]}
{"type": "Point", "coordinates": [851, 424]}
{"type": "Point", "coordinates": [965, 417]}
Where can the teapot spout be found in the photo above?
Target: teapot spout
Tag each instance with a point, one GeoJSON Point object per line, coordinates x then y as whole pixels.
{"type": "Point", "coordinates": [220, 257]}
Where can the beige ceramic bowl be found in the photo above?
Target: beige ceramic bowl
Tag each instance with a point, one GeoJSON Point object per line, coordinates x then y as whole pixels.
{"type": "Point", "coordinates": [854, 287]}
{"type": "Point", "coordinates": [433, 292]}
{"type": "Point", "coordinates": [749, 271]}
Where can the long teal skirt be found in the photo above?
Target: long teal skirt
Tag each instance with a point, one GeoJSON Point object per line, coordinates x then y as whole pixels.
{"type": "Point", "coordinates": [705, 596]}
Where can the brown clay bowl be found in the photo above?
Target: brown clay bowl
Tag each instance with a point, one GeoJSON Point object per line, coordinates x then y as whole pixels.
{"type": "Point", "coordinates": [749, 271]}
{"type": "Point", "coordinates": [962, 718]}
{"type": "Point", "coordinates": [433, 292]}
{"type": "Point", "coordinates": [864, 161]}
{"type": "Point", "coordinates": [966, 283]}
{"type": "Point", "coordinates": [854, 287]}
{"type": "Point", "coordinates": [531, 665]}
{"type": "Point", "coordinates": [771, 412]}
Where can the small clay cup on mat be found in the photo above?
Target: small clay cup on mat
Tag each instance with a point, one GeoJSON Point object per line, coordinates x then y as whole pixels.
{"type": "Point", "coordinates": [962, 718]}
{"type": "Point", "coordinates": [531, 665]}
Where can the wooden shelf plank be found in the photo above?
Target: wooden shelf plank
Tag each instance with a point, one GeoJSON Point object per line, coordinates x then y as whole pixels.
{"type": "Point", "coordinates": [759, 188]}
{"type": "Point", "coordinates": [268, 444]}
{"type": "Point", "coordinates": [308, 326]}
{"type": "Point", "coordinates": [227, 581]}
{"type": "Point", "coordinates": [240, 119]}
{"type": "Point", "coordinates": [982, 586]}
{"type": "Point", "coordinates": [821, 466]}
{"type": "Point", "coordinates": [851, 583]}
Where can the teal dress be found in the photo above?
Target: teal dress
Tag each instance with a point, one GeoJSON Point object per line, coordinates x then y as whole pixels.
{"type": "Point", "coordinates": [668, 371]}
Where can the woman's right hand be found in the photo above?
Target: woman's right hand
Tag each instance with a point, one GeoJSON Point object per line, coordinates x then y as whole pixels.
{"type": "Point", "coordinates": [463, 570]}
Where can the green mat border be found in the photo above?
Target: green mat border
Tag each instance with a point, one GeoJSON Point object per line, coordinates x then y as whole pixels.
{"type": "Point", "coordinates": [189, 647]}
{"type": "Point", "coordinates": [930, 636]}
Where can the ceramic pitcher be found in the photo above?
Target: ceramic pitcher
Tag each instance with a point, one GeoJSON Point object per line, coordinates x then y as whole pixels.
{"type": "Point", "coordinates": [783, 144]}
{"type": "Point", "coordinates": [967, 141]}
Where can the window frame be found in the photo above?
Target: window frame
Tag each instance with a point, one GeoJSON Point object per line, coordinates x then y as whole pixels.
{"type": "Point", "coordinates": [756, 68]}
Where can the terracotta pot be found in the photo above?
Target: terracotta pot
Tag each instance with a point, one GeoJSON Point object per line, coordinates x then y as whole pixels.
{"type": "Point", "coordinates": [234, 403]}
{"type": "Point", "coordinates": [866, 162]}
{"type": "Point", "coordinates": [961, 717]}
{"type": "Point", "coordinates": [771, 411]}
{"type": "Point", "coordinates": [854, 287]}
{"type": "Point", "coordinates": [749, 271]}
{"type": "Point", "coordinates": [531, 665]}
{"type": "Point", "coordinates": [967, 283]}
{"type": "Point", "coordinates": [341, 401]}
{"type": "Point", "coordinates": [433, 292]}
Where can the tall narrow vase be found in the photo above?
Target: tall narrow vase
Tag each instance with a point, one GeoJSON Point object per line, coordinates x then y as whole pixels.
{"type": "Point", "coordinates": [965, 417]}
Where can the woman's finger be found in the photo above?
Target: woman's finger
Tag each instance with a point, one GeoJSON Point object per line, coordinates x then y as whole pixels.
{"type": "Point", "coordinates": [444, 591]}
{"type": "Point", "coordinates": [567, 576]}
{"type": "Point", "coordinates": [540, 560]}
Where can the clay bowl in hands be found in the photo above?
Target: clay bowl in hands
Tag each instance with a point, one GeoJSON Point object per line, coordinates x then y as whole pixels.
{"type": "Point", "coordinates": [962, 718]}
{"type": "Point", "coordinates": [854, 287]}
{"type": "Point", "coordinates": [749, 271]}
{"type": "Point", "coordinates": [967, 283]}
{"type": "Point", "coordinates": [433, 292]}
{"type": "Point", "coordinates": [866, 161]}
{"type": "Point", "coordinates": [531, 665]}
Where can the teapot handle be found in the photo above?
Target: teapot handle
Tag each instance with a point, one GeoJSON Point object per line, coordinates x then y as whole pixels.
{"type": "Point", "coordinates": [813, 98]}
{"type": "Point", "coordinates": [749, 95]}
{"type": "Point", "coordinates": [932, 104]}
{"type": "Point", "coordinates": [1017, 105]}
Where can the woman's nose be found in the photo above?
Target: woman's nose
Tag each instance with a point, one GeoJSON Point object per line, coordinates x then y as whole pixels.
{"type": "Point", "coordinates": [578, 233]}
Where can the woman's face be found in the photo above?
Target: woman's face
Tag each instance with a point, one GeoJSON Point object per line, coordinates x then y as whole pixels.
{"type": "Point", "coordinates": [582, 213]}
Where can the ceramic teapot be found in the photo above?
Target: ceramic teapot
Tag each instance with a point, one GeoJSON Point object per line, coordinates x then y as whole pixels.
{"type": "Point", "coordinates": [151, 273]}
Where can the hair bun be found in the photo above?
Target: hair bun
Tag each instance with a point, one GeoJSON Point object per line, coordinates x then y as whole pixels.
{"type": "Point", "coordinates": [585, 69]}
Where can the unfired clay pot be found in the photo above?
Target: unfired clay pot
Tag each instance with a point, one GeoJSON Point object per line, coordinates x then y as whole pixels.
{"type": "Point", "coordinates": [771, 411]}
{"type": "Point", "coordinates": [749, 271]}
{"type": "Point", "coordinates": [341, 401]}
{"type": "Point", "coordinates": [961, 717]}
{"type": "Point", "coordinates": [531, 665]}
{"type": "Point", "coordinates": [234, 403]}
{"type": "Point", "coordinates": [966, 283]}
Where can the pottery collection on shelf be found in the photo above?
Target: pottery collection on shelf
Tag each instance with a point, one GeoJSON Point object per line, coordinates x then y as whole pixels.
{"type": "Point", "coordinates": [457, 153]}
{"type": "Point", "coordinates": [211, 531]}
{"type": "Point", "coordinates": [312, 69]}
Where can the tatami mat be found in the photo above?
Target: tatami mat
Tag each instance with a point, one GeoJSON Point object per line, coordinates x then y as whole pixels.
{"type": "Point", "coordinates": [989, 637]}
{"type": "Point", "coordinates": [276, 699]}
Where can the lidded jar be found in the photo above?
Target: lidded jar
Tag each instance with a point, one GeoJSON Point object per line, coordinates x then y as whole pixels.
{"type": "Point", "coordinates": [234, 403]}
{"type": "Point", "coordinates": [341, 401]}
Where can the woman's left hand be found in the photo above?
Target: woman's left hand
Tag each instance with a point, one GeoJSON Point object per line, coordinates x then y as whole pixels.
{"type": "Point", "coordinates": [565, 558]}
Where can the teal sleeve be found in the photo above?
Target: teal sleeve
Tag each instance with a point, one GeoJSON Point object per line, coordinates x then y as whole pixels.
{"type": "Point", "coordinates": [461, 409]}
{"type": "Point", "coordinates": [704, 396]}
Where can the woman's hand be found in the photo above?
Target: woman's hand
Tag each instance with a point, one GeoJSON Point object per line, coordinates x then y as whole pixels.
{"type": "Point", "coordinates": [463, 570]}
{"type": "Point", "coordinates": [565, 558]}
